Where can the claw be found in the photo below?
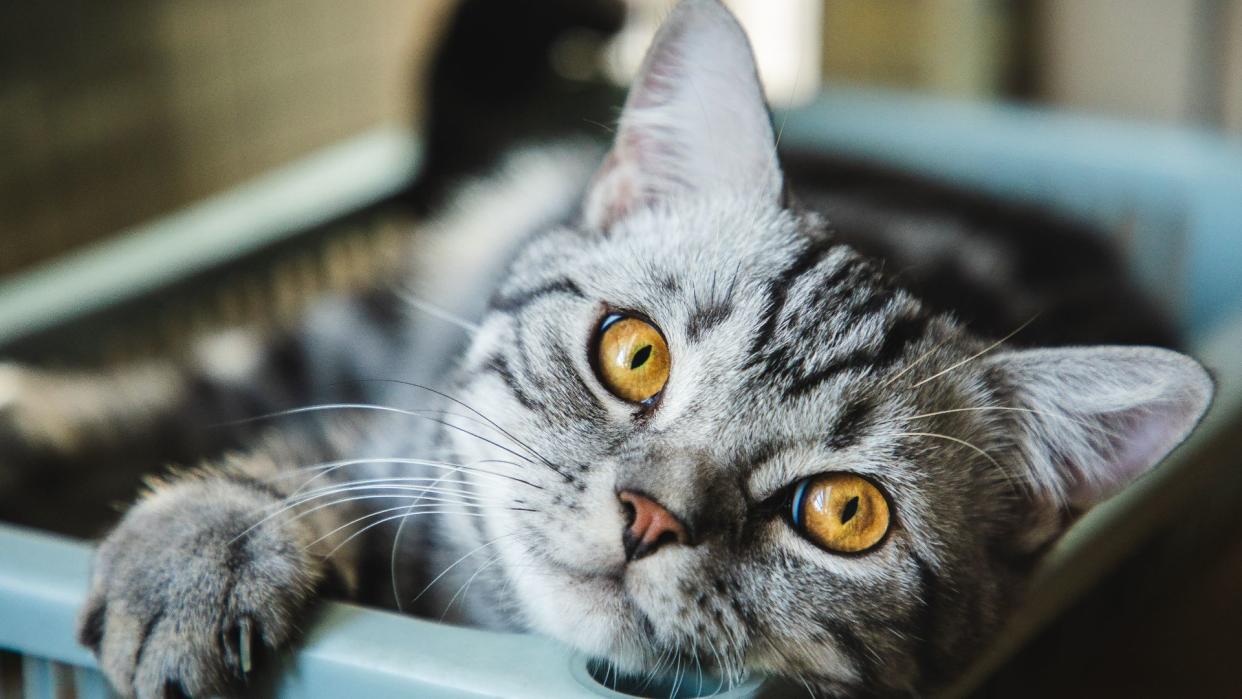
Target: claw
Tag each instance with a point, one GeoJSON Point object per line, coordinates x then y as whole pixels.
{"type": "Point", "coordinates": [243, 644]}
{"type": "Point", "coordinates": [91, 627]}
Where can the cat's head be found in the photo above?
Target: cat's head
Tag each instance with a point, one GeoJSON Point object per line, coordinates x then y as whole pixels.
{"type": "Point", "coordinates": [819, 477]}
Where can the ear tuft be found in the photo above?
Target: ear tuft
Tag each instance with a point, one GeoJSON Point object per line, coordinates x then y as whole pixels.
{"type": "Point", "coordinates": [1100, 417]}
{"type": "Point", "coordinates": [695, 120]}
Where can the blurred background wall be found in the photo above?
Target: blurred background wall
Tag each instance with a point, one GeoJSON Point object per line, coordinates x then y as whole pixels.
{"type": "Point", "coordinates": [112, 113]}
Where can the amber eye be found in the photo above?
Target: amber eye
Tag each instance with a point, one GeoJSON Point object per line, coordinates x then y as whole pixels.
{"type": "Point", "coordinates": [631, 358]}
{"type": "Point", "coordinates": [841, 512]}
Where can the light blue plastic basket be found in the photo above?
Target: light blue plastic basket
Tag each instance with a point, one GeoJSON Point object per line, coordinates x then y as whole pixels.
{"type": "Point", "coordinates": [1178, 194]}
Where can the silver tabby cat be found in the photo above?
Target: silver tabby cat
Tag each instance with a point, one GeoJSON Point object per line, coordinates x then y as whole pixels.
{"type": "Point", "coordinates": [690, 426]}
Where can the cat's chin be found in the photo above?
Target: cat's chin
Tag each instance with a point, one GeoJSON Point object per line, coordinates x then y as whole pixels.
{"type": "Point", "coordinates": [591, 612]}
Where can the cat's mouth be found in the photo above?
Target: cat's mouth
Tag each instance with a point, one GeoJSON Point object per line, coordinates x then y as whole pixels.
{"type": "Point", "coordinates": [574, 583]}
{"type": "Point", "coordinates": [606, 580]}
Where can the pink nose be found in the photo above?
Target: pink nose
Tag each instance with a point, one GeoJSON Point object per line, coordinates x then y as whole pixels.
{"type": "Point", "coordinates": [649, 526]}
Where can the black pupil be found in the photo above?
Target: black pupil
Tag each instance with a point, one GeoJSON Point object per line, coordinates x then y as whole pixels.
{"type": "Point", "coordinates": [641, 357]}
{"type": "Point", "coordinates": [850, 509]}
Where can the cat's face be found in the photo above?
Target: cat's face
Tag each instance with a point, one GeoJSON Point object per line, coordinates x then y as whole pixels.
{"type": "Point", "coordinates": [780, 370]}
{"type": "Point", "coordinates": [860, 485]}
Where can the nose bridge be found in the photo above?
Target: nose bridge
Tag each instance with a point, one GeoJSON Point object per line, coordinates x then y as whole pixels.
{"type": "Point", "coordinates": [689, 485]}
{"type": "Point", "coordinates": [668, 478]}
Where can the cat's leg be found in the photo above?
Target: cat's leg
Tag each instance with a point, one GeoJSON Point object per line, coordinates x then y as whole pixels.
{"type": "Point", "coordinates": [200, 575]}
{"type": "Point", "coordinates": [198, 404]}
{"type": "Point", "coordinates": [146, 412]}
{"type": "Point", "coordinates": [57, 416]}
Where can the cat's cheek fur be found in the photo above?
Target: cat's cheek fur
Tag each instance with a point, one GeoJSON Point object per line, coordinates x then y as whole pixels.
{"type": "Point", "coordinates": [585, 537]}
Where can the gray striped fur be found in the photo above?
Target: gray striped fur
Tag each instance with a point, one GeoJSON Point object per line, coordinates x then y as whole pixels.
{"type": "Point", "coordinates": [792, 355]}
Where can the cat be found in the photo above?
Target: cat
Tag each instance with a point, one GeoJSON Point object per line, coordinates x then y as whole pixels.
{"type": "Point", "coordinates": [692, 423]}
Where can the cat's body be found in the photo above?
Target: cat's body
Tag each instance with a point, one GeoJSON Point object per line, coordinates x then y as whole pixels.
{"type": "Point", "coordinates": [660, 531]}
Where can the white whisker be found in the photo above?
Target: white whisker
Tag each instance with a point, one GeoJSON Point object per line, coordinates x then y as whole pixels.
{"type": "Point", "coordinates": [976, 355]}
{"type": "Point", "coordinates": [409, 413]}
{"type": "Point", "coordinates": [396, 540]}
{"type": "Point", "coordinates": [437, 312]}
{"type": "Point", "coordinates": [399, 483]}
{"type": "Point", "coordinates": [367, 528]}
{"type": "Point", "coordinates": [380, 492]}
{"type": "Point", "coordinates": [330, 466]}
{"type": "Point", "coordinates": [466, 586]}
{"type": "Point", "coordinates": [986, 408]}
{"type": "Point", "coordinates": [457, 562]}
{"type": "Point", "coordinates": [387, 495]}
{"type": "Point", "coordinates": [964, 443]}
{"type": "Point", "coordinates": [917, 361]}
{"type": "Point", "coordinates": [491, 422]}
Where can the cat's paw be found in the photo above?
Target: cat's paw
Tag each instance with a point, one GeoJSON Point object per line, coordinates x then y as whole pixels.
{"type": "Point", "coordinates": [185, 593]}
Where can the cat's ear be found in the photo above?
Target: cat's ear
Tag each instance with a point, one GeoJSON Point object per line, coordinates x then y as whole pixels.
{"type": "Point", "coordinates": [1096, 418]}
{"type": "Point", "coordinates": [695, 120]}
